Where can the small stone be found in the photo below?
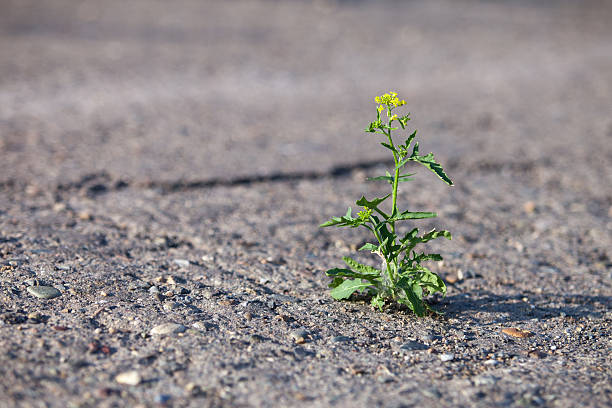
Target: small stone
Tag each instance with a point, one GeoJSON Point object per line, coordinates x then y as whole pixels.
{"type": "Point", "coordinates": [129, 378]}
{"type": "Point", "coordinates": [413, 346]}
{"type": "Point", "coordinates": [248, 316]}
{"type": "Point", "coordinates": [168, 328]}
{"type": "Point", "coordinates": [452, 279]}
{"type": "Point", "coordinates": [200, 326]}
{"type": "Point", "coordinates": [340, 339]}
{"type": "Point", "coordinates": [35, 316]}
{"type": "Point", "coordinates": [169, 306]}
{"type": "Point", "coordinates": [193, 389]}
{"type": "Point", "coordinates": [447, 357]}
{"type": "Point", "coordinates": [170, 280]}
{"type": "Point", "coordinates": [536, 354]}
{"type": "Point", "coordinates": [162, 398]}
{"type": "Point", "coordinates": [183, 263]}
{"type": "Point", "coordinates": [484, 380]}
{"type": "Point", "coordinates": [153, 289]}
{"type": "Point", "coordinates": [491, 362]}
{"type": "Point", "coordinates": [299, 335]}
{"type": "Point", "coordinates": [529, 207]}
{"type": "Point", "coordinates": [514, 332]}
{"type": "Point", "coordinates": [84, 216]}
{"type": "Point", "coordinates": [44, 292]}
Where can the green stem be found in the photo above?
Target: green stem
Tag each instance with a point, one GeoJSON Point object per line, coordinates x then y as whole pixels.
{"type": "Point", "coordinates": [395, 180]}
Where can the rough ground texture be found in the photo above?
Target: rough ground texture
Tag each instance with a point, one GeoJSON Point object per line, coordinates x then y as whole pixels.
{"type": "Point", "coordinates": [170, 162]}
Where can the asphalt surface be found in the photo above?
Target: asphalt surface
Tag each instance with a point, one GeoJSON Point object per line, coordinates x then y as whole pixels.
{"type": "Point", "coordinates": [170, 163]}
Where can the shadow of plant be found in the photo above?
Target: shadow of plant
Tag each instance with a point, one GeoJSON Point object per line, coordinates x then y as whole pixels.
{"type": "Point", "coordinates": [512, 307]}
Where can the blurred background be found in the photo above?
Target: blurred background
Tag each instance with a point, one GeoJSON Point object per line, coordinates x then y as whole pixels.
{"type": "Point", "coordinates": [198, 90]}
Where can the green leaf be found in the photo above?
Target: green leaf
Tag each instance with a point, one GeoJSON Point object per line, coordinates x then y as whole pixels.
{"type": "Point", "coordinates": [431, 281]}
{"type": "Point", "coordinates": [411, 240]}
{"type": "Point", "coordinates": [429, 162]}
{"type": "Point", "coordinates": [433, 234]}
{"type": "Point", "coordinates": [388, 146]}
{"type": "Point", "coordinates": [336, 282]}
{"type": "Point", "coordinates": [415, 150]}
{"type": "Point", "coordinates": [369, 247]}
{"type": "Point", "coordinates": [347, 288]}
{"type": "Point", "coordinates": [405, 177]}
{"type": "Point", "coordinates": [410, 139]}
{"type": "Point", "coordinates": [389, 179]}
{"type": "Point", "coordinates": [412, 298]}
{"type": "Point", "coordinates": [409, 215]}
{"type": "Point", "coordinates": [346, 221]}
{"type": "Point", "coordinates": [426, 257]}
{"type": "Point", "coordinates": [347, 273]}
{"type": "Point", "coordinates": [378, 301]}
{"type": "Point", "coordinates": [371, 204]}
{"type": "Point", "coordinates": [410, 235]}
{"type": "Point", "coordinates": [368, 270]}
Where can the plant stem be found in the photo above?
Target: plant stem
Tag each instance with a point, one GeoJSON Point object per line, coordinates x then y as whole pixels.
{"type": "Point", "coordinates": [395, 181]}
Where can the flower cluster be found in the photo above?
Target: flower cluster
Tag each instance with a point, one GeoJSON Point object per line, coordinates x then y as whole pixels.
{"type": "Point", "coordinates": [390, 99]}
{"type": "Point", "coordinates": [365, 214]}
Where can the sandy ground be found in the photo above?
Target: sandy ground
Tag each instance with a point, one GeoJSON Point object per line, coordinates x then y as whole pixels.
{"type": "Point", "coordinates": [165, 167]}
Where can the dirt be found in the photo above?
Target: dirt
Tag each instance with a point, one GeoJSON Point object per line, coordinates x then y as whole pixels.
{"type": "Point", "coordinates": [166, 168]}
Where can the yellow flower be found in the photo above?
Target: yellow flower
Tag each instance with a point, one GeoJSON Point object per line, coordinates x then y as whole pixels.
{"type": "Point", "coordinates": [390, 99]}
{"type": "Point", "coordinates": [365, 214]}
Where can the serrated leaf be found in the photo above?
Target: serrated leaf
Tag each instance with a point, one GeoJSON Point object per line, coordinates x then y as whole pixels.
{"type": "Point", "coordinates": [426, 257]}
{"type": "Point", "coordinates": [346, 221]}
{"type": "Point", "coordinates": [371, 204]}
{"type": "Point", "coordinates": [365, 269]}
{"type": "Point", "coordinates": [431, 281]}
{"type": "Point", "coordinates": [388, 146]}
{"type": "Point", "coordinates": [348, 273]}
{"type": "Point", "coordinates": [410, 235]}
{"type": "Point", "coordinates": [415, 150]}
{"type": "Point", "coordinates": [412, 300]}
{"type": "Point", "coordinates": [368, 247]}
{"type": "Point", "coordinates": [429, 162]}
{"type": "Point", "coordinates": [347, 288]}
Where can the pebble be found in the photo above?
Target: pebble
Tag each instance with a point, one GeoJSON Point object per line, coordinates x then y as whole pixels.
{"type": "Point", "coordinates": [129, 378]}
{"type": "Point", "coordinates": [44, 292]}
{"type": "Point", "coordinates": [162, 398]}
{"type": "Point", "coordinates": [168, 306]}
{"type": "Point", "coordinates": [514, 332]}
{"type": "Point", "coordinates": [299, 335]}
{"type": "Point", "coordinates": [447, 357]}
{"type": "Point", "coordinates": [200, 326]}
{"type": "Point", "coordinates": [484, 380]}
{"type": "Point", "coordinates": [183, 263]}
{"type": "Point", "coordinates": [491, 362]}
{"type": "Point", "coordinates": [413, 346]}
{"type": "Point", "coordinates": [168, 328]}
{"type": "Point", "coordinates": [35, 316]}
{"type": "Point", "coordinates": [153, 289]}
{"type": "Point", "coordinates": [340, 339]}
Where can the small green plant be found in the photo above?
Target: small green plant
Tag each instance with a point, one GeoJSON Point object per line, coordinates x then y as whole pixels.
{"type": "Point", "coordinates": [401, 277]}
